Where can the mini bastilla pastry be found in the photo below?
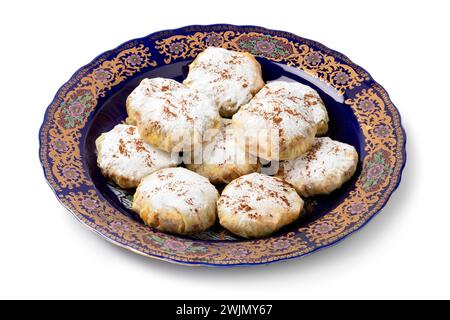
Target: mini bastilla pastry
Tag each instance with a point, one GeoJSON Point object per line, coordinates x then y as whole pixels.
{"type": "Point", "coordinates": [148, 89]}
{"type": "Point", "coordinates": [221, 160]}
{"type": "Point", "coordinates": [171, 116]}
{"type": "Point", "coordinates": [303, 96]}
{"type": "Point", "coordinates": [176, 200]}
{"type": "Point", "coordinates": [274, 128]}
{"type": "Point", "coordinates": [231, 78]}
{"type": "Point", "coordinates": [125, 158]}
{"type": "Point", "coordinates": [321, 170]}
{"type": "Point", "coordinates": [257, 205]}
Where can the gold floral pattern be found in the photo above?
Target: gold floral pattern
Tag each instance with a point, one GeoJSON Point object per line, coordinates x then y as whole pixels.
{"type": "Point", "coordinates": [316, 63]}
{"type": "Point", "coordinates": [72, 108]}
{"type": "Point", "coordinates": [68, 115]}
{"type": "Point", "coordinates": [371, 107]}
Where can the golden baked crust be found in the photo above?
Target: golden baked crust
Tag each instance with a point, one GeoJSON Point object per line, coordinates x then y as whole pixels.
{"type": "Point", "coordinates": [174, 140]}
{"type": "Point", "coordinates": [176, 200]}
{"type": "Point", "coordinates": [322, 128]}
{"type": "Point", "coordinates": [322, 169]}
{"type": "Point", "coordinates": [257, 205]}
{"type": "Point", "coordinates": [258, 82]}
{"type": "Point", "coordinates": [133, 115]}
{"type": "Point", "coordinates": [223, 174]}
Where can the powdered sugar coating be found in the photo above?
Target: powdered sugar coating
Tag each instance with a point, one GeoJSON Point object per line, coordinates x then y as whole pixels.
{"type": "Point", "coordinates": [155, 88]}
{"type": "Point", "coordinates": [321, 170]}
{"type": "Point", "coordinates": [176, 200]}
{"type": "Point", "coordinates": [124, 157]}
{"type": "Point", "coordinates": [231, 78]}
{"type": "Point", "coordinates": [292, 126]}
{"type": "Point", "coordinates": [301, 95]}
{"type": "Point", "coordinates": [172, 116]}
{"type": "Point", "coordinates": [222, 160]}
{"type": "Point", "coordinates": [256, 205]}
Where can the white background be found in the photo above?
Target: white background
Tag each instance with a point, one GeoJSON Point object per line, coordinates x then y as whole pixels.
{"type": "Point", "coordinates": [403, 253]}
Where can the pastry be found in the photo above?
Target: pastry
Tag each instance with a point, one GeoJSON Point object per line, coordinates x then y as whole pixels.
{"type": "Point", "coordinates": [125, 158]}
{"type": "Point", "coordinates": [256, 205]}
{"type": "Point", "coordinates": [321, 170]}
{"type": "Point", "coordinates": [303, 96]}
{"type": "Point", "coordinates": [231, 78]}
{"type": "Point", "coordinates": [274, 128]}
{"type": "Point", "coordinates": [176, 200]}
{"type": "Point", "coordinates": [147, 89]}
{"type": "Point", "coordinates": [171, 116]}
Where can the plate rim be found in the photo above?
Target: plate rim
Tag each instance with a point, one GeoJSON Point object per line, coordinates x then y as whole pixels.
{"type": "Point", "coordinates": [342, 56]}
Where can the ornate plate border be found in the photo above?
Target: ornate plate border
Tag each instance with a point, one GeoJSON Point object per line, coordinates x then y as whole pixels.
{"type": "Point", "coordinates": [66, 119]}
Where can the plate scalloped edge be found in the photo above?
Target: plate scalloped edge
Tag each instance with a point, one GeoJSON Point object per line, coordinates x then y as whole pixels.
{"type": "Point", "coordinates": [313, 57]}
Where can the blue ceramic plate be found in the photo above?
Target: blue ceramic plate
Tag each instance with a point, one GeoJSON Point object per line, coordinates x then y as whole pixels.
{"type": "Point", "coordinates": [93, 101]}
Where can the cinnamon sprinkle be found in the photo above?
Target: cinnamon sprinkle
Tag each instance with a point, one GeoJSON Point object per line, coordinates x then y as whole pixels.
{"type": "Point", "coordinates": [139, 145]}
{"type": "Point", "coordinates": [310, 99]}
{"type": "Point", "coordinates": [168, 112]}
{"type": "Point", "coordinates": [123, 148]}
{"type": "Point", "coordinates": [131, 130]}
{"type": "Point", "coordinates": [244, 207]}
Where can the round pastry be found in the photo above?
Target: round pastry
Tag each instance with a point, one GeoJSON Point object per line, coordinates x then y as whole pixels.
{"type": "Point", "coordinates": [321, 170]}
{"type": "Point", "coordinates": [148, 89]}
{"type": "Point", "coordinates": [231, 78]}
{"type": "Point", "coordinates": [176, 200]}
{"type": "Point", "coordinates": [125, 158]}
{"type": "Point", "coordinates": [303, 96]}
{"type": "Point", "coordinates": [274, 128]}
{"type": "Point", "coordinates": [171, 116]}
{"type": "Point", "coordinates": [221, 160]}
{"type": "Point", "coordinates": [256, 205]}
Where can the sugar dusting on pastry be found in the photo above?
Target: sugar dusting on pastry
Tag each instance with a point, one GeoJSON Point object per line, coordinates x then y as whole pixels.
{"type": "Point", "coordinates": [178, 192]}
{"type": "Point", "coordinates": [180, 188]}
{"type": "Point", "coordinates": [221, 159]}
{"type": "Point", "coordinates": [257, 205]}
{"type": "Point", "coordinates": [322, 169]}
{"type": "Point", "coordinates": [302, 96]}
{"type": "Point", "coordinates": [169, 111]}
{"type": "Point", "coordinates": [269, 123]}
{"type": "Point", "coordinates": [231, 78]}
{"type": "Point", "coordinates": [148, 89]}
{"type": "Point", "coordinates": [277, 114]}
{"type": "Point", "coordinates": [124, 155]}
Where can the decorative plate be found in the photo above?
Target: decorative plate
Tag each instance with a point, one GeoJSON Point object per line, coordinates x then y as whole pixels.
{"type": "Point", "coordinates": [93, 101]}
